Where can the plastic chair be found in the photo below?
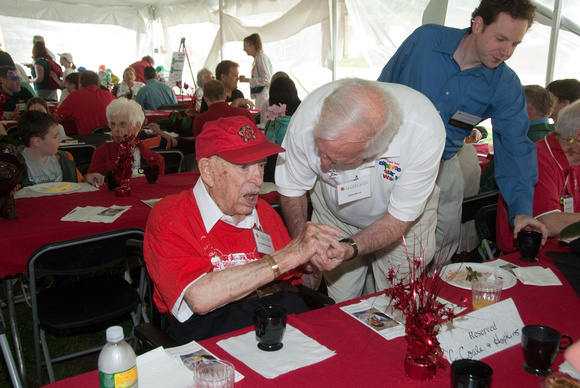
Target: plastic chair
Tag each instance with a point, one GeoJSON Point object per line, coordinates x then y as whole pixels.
{"type": "Point", "coordinates": [97, 296]}
{"type": "Point", "coordinates": [82, 153]}
{"type": "Point", "coordinates": [172, 106]}
{"type": "Point", "coordinates": [173, 159]}
{"type": "Point", "coordinates": [101, 129]}
{"type": "Point", "coordinates": [485, 225]}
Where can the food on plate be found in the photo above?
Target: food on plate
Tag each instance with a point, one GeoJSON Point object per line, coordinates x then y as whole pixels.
{"type": "Point", "coordinates": [62, 187]}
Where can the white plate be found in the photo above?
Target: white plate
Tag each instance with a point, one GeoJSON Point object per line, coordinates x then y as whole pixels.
{"type": "Point", "coordinates": [456, 274]}
{"type": "Point", "coordinates": [41, 188]}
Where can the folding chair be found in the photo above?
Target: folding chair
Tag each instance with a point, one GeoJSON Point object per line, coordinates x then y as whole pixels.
{"type": "Point", "coordinates": [173, 159]}
{"type": "Point", "coordinates": [97, 296]}
{"type": "Point", "coordinates": [485, 225]}
{"type": "Point", "coordinates": [470, 208]}
{"type": "Point", "coordinates": [82, 153]}
{"type": "Point", "coordinates": [101, 129]}
{"type": "Point", "coordinates": [172, 106]}
{"type": "Point", "coordinates": [12, 369]}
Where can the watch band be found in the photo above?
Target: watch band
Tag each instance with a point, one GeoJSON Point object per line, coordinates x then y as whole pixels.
{"type": "Point", "coordinates": [354, 247]}
{"type": "Point", "coordinates": [274, 265]}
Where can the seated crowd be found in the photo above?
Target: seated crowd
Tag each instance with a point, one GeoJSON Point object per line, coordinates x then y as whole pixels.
{"type": "Point", "coordinates": [213, 249]}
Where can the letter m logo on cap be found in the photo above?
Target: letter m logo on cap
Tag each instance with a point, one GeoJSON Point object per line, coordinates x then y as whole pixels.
{"type": "Point", "coordinates": [247, 133]}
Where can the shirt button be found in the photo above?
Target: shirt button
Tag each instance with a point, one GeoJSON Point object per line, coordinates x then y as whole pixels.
{"type": "Point", "coordinates": [446, 93]}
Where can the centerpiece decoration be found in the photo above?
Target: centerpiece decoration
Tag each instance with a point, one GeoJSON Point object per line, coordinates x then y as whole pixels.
{"type": "Point", "coordinates": [416, 297]}
{"type": "Point", "coordinates": [123, 165]}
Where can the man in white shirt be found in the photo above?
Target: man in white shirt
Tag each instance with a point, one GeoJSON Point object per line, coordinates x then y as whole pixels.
{"type": "Point", "coordinates": [371, 151]}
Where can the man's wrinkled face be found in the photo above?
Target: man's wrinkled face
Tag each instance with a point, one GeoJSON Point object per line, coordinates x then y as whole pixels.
{"type": "Point", "coordinates": [495, 44]}
{"type": "Point", "coordinates": [236, 187]}
{"type": "Point", "coordinates": [341, 153]}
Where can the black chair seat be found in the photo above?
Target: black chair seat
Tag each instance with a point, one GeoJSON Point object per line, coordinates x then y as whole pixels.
{"type": "Point", "coordinates": [88, 302]}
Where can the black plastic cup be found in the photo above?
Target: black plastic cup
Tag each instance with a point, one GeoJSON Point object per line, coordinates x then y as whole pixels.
{"type": "Point", "coordinates": [467, 373]}
{"type": "Point", "coordinates": [270, 325]}
{"type": "Point", "coordinates": [529, 244]}
{"type": "Point", "coordinates": [540, 345]}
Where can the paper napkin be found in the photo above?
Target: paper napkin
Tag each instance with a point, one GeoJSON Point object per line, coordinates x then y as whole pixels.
{"type": "Point", "coordinates": [537, 276]}
{"type": "Point", "coordinates": [299, 351]}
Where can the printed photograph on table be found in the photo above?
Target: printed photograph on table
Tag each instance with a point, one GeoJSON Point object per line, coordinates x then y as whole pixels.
{"type": "Point", "coordinates": [376, 319]}
{"type": "Point", "coordinates": [192, 359]}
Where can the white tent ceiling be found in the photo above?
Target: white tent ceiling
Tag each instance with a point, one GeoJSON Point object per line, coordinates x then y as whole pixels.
{"type": "Point", "coordinates": [290, 29]}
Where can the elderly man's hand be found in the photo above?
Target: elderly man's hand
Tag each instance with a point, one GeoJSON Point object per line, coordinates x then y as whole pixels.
{"type": "Point", "coordinates": [524, 222]}
{"type": "Point", "coordinates": [314, 241]}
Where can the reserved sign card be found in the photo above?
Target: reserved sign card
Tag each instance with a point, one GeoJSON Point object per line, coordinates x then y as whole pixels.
{"type": "Point", "coordinates": [482, 333]}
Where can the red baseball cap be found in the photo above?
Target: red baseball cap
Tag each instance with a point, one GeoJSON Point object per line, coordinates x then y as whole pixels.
{"type": "Point", "coordinates": [235, 139]}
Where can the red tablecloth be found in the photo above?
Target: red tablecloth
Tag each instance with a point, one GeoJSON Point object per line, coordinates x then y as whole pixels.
{"type": "Point", "coordinates": [39, 222]}
{"type": "Point", "coordinates": [154, 115]}
{"type": "Point", "coordinates": [483, 155]}
{"type": "Point", "coordinates": [363, 358]}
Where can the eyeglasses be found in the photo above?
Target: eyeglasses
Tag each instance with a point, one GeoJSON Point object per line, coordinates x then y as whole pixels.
{"type": "Point", "coordinates": [121, 124]}
{"type": "Point", "coordinates": [570, 140]}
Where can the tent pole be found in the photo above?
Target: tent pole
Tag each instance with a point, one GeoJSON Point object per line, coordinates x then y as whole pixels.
{"type": "Point", "coordinates": [334, 18]}
{"type": "Point", "coordinates": [221, 31]}
{"type": "Point", "coordinates": [555, 33]}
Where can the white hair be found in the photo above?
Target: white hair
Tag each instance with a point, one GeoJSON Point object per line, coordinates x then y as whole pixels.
{"type": "Point", "coordinates": [122, 106]}
{"type": "Point", "coordinates": [362, 106]}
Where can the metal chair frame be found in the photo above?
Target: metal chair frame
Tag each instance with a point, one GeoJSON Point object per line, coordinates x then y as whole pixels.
{"type": "Point", "coordinates": [82, 256]}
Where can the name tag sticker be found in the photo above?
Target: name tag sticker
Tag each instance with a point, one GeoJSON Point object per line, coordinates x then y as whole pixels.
{"type": "Point", "coordinates": [569, 205]}
{"type": "Point", "coordinates": [354, 190]}
{"type": "Point", "coordinates": [263, 242]}
{"type": "Point", "coordinates": [464, 120]}
{"type": "Point", "coordinates": [482, 333]}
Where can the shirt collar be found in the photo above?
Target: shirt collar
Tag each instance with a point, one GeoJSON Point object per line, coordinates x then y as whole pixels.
{"type": "Point", "coordinates": [449, 46]}
{"type": "Point", "coordinates": [541, 120]}
{"type": "Point", "coordinates": [211, 213]}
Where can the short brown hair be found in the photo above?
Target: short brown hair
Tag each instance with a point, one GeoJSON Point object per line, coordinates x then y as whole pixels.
{"type": "Point", "coordinates": [89, 77]}
{"type": "Point", "coordinates": [489, 10]}
{"type": "Point", "coordinates": [36, 100]}
{"type": "Point", "coordinates": [214, 91]}
{"type": "Point", "coordinates": [565, 89]}
{"type": "Point", "coordinates": [224, 68]}
{"type": "Point", "coordinates": [539, 100]}
{"type": "Point", "coordinates": [33, 123]}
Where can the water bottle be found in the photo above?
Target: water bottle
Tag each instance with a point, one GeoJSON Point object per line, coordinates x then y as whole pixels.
{"type": "Point", "coordinates": [117, 361]}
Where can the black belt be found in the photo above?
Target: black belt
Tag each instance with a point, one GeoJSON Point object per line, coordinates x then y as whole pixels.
{"type": "Point", "coordinates": [271, 289]}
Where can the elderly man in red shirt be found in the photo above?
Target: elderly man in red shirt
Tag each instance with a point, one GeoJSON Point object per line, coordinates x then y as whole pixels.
{"type": "Point", "coordinates": [217, 251]}
{"type": "Point", "coordinates": [87, 106]}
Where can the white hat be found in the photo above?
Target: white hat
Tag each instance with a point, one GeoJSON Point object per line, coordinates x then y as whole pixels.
{"type": "Point", "coordinates": [67, 56]}
{"type": "Point", "coordinates": [37, 38]}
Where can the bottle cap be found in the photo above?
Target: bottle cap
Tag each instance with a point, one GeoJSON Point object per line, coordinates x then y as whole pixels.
{"type": "Point", "coordinates": [115, 334]}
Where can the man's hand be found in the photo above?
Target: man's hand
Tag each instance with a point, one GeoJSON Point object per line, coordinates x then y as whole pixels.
{"type": "Point", "coordinates": [525, 222]}
{"type": "Point", "coordinates": [334, 257]}
{"type": "Point", "coordinates": [315, 240]}
{"type": "Point", "coordinates": [15, 114]}
{"type": "Point", "coordinates": [95, 179]}
{"type": "Point", "coordinates": [242, 103]}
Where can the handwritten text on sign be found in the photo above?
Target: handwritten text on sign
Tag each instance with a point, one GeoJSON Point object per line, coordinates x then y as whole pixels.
{"type": "Point", "coordinates": [482, 333]}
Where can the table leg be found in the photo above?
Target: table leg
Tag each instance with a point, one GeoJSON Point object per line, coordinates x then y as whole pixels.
{"type": "Point", "coordinates": [7, 285]}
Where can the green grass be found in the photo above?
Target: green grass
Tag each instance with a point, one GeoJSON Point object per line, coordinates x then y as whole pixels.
{"type": "Point", "coordinates": [58, 345]}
